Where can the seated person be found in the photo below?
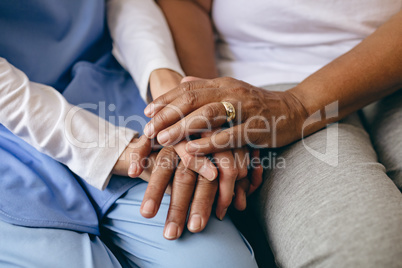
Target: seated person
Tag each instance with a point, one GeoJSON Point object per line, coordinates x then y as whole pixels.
{"type": "Point", "coordinates": [57, 157]}
{"type": "Point", "coordinates": [304, 65]}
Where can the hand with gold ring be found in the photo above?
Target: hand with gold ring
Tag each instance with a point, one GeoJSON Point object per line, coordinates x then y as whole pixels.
{"type": "Point", "coordinates": [193, 189]}
{"type": "Point", "coordinates": [262, 118]}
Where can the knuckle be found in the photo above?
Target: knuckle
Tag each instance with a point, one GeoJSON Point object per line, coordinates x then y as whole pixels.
{"type": "Point", "coordinates": [215, 82]}
{"type": "Point", "coordinates": [232, 172]}
{"type": "Point", "coordinates": [184, 178]}
{"type": "Point", "coordinates": [240, 91]}
{"type": "Point", "coordinates": [160, 117]}
{"type": "Point", "coordinates": [165, 159]}
{"type": "Point", "coordinates": [190, 98]}
{"type": "Point", "coordinates": [160, 102]}
{"type": "Point", "coordinates": [209, 112]}
{"type": "Point", "coordinates": [152, 189]}
{"type": "Point", "coordinates": [164, 163]}
{"type": "Point", "coordinates": [242, 173]}
{"type": "Point", "coordinates": [226, 79]}
{"type": "Point", "coordinates": [201, 204]}
{"type": "Point", "coordinates": [177, 209]}
{"type": "Point", "coordinates": [186, 86]}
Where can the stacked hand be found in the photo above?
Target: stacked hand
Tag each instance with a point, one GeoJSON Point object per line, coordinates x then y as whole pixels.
{"type": "Point", "coordinates": [263, 118]}
{"type": "Point", "coordinates": [193, 182]}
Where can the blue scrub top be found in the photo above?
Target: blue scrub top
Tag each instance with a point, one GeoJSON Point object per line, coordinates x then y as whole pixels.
{"type": "Point", "coordinates": [64, 44]}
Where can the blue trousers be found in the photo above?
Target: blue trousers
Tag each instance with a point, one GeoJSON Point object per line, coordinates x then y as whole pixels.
{"type": "Point", "coordinates": [127, 240]}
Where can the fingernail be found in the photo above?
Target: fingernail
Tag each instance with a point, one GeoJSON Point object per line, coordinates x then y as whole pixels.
{"type": "Point", "coordinates": [149, 207]}
{"type": "Point", "coordinates": [149, 130]}
{"type": "Point", "coordinates": [149, 110]}
{"type": "Point", "coordinates": [163, 137]}
{"type": "Point", "coordinates": [207, 172]}
{"type": "Point", "coordinates": [195, 222]}
{"type": "Point", "coordinates": [223, 213]}
{"type": "Point", "coordinates": [171, 231]}
{"type": "Point", "coordinates": [192, 147]}
{"type": "Point", "coordinates": [132, 170]}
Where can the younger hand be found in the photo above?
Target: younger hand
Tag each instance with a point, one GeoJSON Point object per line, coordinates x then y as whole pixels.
{"type": "Point", "coordinates": [129, 162]}
{"type": "Point", "coordinates": [188, 190]}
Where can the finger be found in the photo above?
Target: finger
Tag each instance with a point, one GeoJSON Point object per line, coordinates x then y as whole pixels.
{"type": "Point", "coordinates": [200, 164]}
{"type": "Point", "coordinates": [161, 175]}
{"type": "Point", "coordinates": [201, 205]}
{"type": "Point", "coordinates": [227, 179]}
{"type": "Point", "coordinates": [138, 155]}
{"type": "Point", "coordinates": [182, 190]}
{"type": "Point", "coordinates": [189, 79]}
{"type": "Point", "coordinates": [256, 172]}
{"type": "Point", "coordinates": [242, 161]}
{"type": "Point", "coordinates": [240, 200]}
{"type": "Point", "coordinates": [146, 174]}
{"type": "Point", "coordinates": [160, 102]}
{"type": "Point", "coordinates": [155, 144]}
{"type": "Point", "coordinates": [170, 113]}
{"type": "Point", "coordinates": [227, 139]}
{"type": "Point", "coordinates": [206, 118]}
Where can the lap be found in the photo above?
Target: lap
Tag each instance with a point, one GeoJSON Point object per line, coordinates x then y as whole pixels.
{"type": "Point", "coordinates": [133, 242]}
{"type": "Point", "coordinates": [334, 207]}
{"type": "Point", "coordinates": [139, 241]}
{"type": "Point", "coordinates": [46, 247]}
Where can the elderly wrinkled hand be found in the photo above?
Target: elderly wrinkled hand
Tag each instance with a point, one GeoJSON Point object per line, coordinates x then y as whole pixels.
{"type": "Point", "coordinates": [190, 180]}
{"type": "Point", "coordinates": [263, 118]}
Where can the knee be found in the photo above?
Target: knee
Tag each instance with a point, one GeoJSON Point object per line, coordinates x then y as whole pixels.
{"type": "Point", "coordinates": [209, 252]}
{"type": "Point", "coordinates": [364, 253]}
{"type": "Point", "coordinates": [218, 245]}
{"type": "Point", "coordinates": [350, 243]}
{"type": "Point", "coordinates": [217, 256]}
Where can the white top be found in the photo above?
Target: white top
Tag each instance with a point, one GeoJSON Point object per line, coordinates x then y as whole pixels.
{"type": "Point", "coordinates": [267, 42]}
{"type": "Point", "coordinates": [142, 40]}
{"type": "Point", "coordinates": [77, 136]}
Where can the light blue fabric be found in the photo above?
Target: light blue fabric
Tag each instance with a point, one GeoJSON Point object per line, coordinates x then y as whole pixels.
{"type": "Point", "coordinates": [134, 240]}
{"type": "Point", "coordinates": [64, 44]}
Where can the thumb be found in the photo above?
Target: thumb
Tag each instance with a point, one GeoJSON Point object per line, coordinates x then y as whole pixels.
{"type": "Point", "coordinates": [138, 153]}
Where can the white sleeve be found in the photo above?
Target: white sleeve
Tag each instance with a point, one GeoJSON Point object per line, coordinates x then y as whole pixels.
{"type": "Point", "coordinates": [142, 40]}
{"type": "Point", "coordinates": [87, 144]}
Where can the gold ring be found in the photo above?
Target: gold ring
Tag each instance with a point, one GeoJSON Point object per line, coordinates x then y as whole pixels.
{"type": "Point", "coordinates": [230, 111]}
